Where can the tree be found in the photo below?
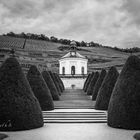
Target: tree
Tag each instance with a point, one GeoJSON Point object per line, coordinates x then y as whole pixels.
{"type": "Point", "coordinates": [55, 82]}
{"type": "Point", "coordinates": [19, 109]}
{"type": "Point", "coordinates": [40, 89]}
{"type": "Point", "coordinates": [53, 39]}
{"type": "Point", "coordinates": [106, 89]}
{"type": "Point", "coordinates": [85, 83]}
{"type": "Point", "coordinates": [83, 44]}
{"type": "Point", "coordinates": [88, 82]}
{"type": "Point", "coordinates": [98, 84]}
{"type": "Point", "coordinates": [124, 106]}
{"type": "Point", "coordinates": [47, 77]}
{"type": "Point", "coordinates": [92, 83]}
{"type": "Point", "coordinates": [59, 81]}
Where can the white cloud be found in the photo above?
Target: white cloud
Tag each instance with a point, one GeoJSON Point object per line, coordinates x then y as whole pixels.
{"type": "Point", "coordinates": [110, 22]}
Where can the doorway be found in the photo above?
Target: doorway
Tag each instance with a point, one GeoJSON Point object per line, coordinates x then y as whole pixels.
{"type": "Point", "coordinates": [73, 70]}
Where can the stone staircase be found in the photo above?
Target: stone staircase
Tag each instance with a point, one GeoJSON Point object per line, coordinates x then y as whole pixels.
{"type": "Point", "coordinates": [74, 106]}
{"type": "Point", "coordinates": [74, 99]}
{"type": "Point", "coordinates": [73, 116]}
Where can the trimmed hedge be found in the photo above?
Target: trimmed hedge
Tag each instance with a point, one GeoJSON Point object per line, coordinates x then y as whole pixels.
{"type": "Point", "coordinates": [61, 81]}
{"type": "Point", "coordinates": [40, 89]}
{"type": "Point", "coordinates": [51, 85]}
{"type": "Point", "coordinates": [98, 84]}
{"type": "Point", "coordinates": [92, 83]}
{"type": "Point", "coordinates": [106, 89]}
{"type": "Point", "coordinates": [88, 82]}
{"type": "Point", "coordinates": [85, 83]}
{"type": "Point", "coordinates": [55, 82]}
{"type": "Point", "coordinates": [124, 106]}
{"type": "Point", "coordinates": [58, 81]}
{"type": "Point", "coordinates": [19, 108]}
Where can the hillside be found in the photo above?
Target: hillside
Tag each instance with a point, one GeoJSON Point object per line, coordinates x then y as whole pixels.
{"type": "Point", "coordinates": [49, 53]}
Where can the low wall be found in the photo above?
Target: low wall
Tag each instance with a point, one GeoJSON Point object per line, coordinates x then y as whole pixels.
{"type": "Point", "coordinates": [73, 83]}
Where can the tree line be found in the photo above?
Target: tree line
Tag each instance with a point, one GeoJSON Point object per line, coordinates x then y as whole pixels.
{"type": "Point", "coordinates": [67, 41]}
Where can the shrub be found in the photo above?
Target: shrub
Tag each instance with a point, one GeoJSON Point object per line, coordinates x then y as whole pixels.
{"type": "Point", "coordinates": [40, 89]}
{"type": "Point", "coordinates": [50, 84]}
{"type": "Point", "coordinates": [19, 108]}
{"type": "Point", "coordinates": [55, 82]}
{"type": "Point", "coordinates": [124, 106]}
{"type": "Point", "coordinates": [85, 83]}
{"type": "Point", "coordinates": [98, 84]}
{"type": "Point", "coordinates": [88, 82]}
{"type": "Point", "coordinates": [92, 83]}
{"type": "Point", "coordinates": [58, 82]}
{"type": "Point", "coordinates": [106, 89]}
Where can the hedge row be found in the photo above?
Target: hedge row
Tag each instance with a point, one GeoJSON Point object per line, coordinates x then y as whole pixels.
{"type": "Point", "coordinates": [92, 83]}
{"type": "Point", "coordinates": [88, 81]}
{"type": "Point", "coordinates": [124, 106]}
{"type": "Point", "coordinates": [22, 98]}
{"type": "Point", "coordinates": [120, 95]}
{"type": "Point", "coordinates": [40, 89]}
{"type": "Point", "coordinates": [98, 84]}
{"type": "Point", "coordinates": [47, 77]}
{"type": "Point", "coordinates": [19, 108]}
{"type": "Point", "coordinates": [106, 89]}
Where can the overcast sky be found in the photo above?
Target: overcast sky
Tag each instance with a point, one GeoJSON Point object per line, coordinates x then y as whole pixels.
{"type": "Point", "coordinates": [109, 22]}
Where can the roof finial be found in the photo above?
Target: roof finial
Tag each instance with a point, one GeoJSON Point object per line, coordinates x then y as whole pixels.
{"type": "Point", "coordinates": [73, 45]}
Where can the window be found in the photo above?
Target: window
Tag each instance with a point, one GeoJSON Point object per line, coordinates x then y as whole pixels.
{"type": "Point", "coordinates": [73, 70]}
{"type": "Point", "coordinates": [82, 70]}
{"type": "Point", "coordinates": [63, 70]}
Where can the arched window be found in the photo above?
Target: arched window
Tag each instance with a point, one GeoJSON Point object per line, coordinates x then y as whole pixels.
{"type": "Point", "coordinates": [63, 70]}
{"type": "Point", "coordinates": [73, 70]}
{"type": "Point", "coordinates": [82, 70]}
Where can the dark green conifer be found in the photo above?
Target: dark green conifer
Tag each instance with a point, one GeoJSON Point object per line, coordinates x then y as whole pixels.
{"type": "Point", "coordinates": [55, 82]}
{"type": "Point", "coordinates": [58, 82]}
{"type": "Point", "coordinates": [40, 89]}
{"type": "Point", "coordinates": [124, 106]}
{"type": "Point", "coordinates": [92, 83]}
{"type": "Point", "coordinates": [85, 83]}
{"type": "Point", "coordinates": [98, 84]}
{"type": "Point", "coordinates": [88, 82]}
{"type": "Point", "coordinates": [106, 89]}
{"type": "Point", "coordinates": [51, 85]}
{"type": "Point", "coordinates": [19, 108]}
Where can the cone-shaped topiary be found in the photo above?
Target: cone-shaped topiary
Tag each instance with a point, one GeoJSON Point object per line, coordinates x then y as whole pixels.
{"type": "Point", "coordinates": [19, 108]}
{"type": "Point", "coordinates": [55, 82]}
{"type": "Point", "coordinates": [40, 89]}
{"type": "Point", "coordinates": [98, 84]}
{"type": "Point", "coordinates": [124, 106]}
{"type": "Point", "coordinates": [106, 89]}
{"type": "Point", "coordinates": [58, 81]}
{"type": "Point", "coordinates": [88, 82]}
{"type": "Point", "coordinates": [85, 83]}
{"type": "Point", "coordinates": [61, 82]}
{"type": "Point", "coordinates": [92, 83]}
{"type": "Point", "coordinates": [51, 85]}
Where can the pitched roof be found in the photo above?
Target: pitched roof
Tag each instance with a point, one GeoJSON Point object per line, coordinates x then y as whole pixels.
{"type": "Point", "coordinates": [73, 55]}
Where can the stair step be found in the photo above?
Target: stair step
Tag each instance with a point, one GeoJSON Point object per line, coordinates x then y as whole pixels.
{"type": "Point", "coordinates": [46, 112]}
{"type": "Point", "coordinates": [75, 118]}
{"type": "Point", "coordinates": [75, 121]}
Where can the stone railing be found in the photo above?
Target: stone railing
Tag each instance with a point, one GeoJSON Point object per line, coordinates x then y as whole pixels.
{"type": "Point", "coordinates": [73, 76]}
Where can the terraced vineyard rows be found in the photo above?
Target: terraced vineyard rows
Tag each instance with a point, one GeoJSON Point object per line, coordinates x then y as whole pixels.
{"type": "Point", "coordinates": [98, 57]}
{"type": "Point", "coordinates": [40, 45]}
{"type": "Point", "coordinates": [10, 42]}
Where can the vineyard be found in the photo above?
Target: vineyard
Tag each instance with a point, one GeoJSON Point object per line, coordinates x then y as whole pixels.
{"type": "Point", "coordinates": [98, 57]}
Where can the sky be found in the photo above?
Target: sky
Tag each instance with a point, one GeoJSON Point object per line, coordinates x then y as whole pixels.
{"type": "Point", "coordinates": [107, 22]}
